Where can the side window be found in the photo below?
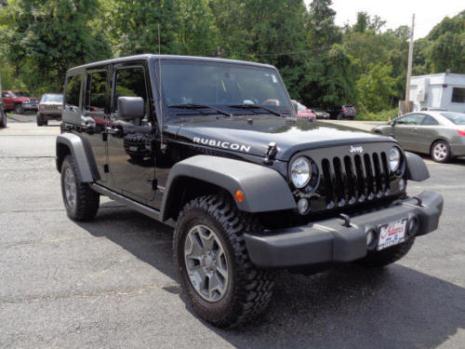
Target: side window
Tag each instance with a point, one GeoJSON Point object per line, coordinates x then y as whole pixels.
{"type": "Point", "coordinates": [130, 82]}
{"type": "Point", "coordinates": [412, 119]}
{"type": "Point", "coordinates": [458, 95]}
{"type": "Point", "coordinates": [429, 121]}
{"type": "Point", "coordinates": [96, 95]}
{"type": "Point", "coordinates": [73, 91]}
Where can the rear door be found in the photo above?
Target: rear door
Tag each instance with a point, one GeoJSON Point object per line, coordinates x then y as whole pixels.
{"type": "Point", "coordinates": [95, 117]}
{"type": "Point", "coordinates": [425, 134]}
{"type": "Point", "coordinates": [405, 130]}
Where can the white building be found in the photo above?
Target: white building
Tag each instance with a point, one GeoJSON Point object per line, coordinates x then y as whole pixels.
{"type": "Point", "coordinates": [438, 91]}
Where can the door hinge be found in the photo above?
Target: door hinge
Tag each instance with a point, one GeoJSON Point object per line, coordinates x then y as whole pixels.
{"type": "Point", "coordinates": [106, 168]}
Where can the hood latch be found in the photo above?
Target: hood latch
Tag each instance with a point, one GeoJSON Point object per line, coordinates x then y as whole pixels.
{"type": "Point", "coordinates": [271, 152]}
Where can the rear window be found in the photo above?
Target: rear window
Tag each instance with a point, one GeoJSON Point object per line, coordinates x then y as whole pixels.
{"type": "Point", "coordinates": [456, 118]}
{"type": "Point", "coordinates": [73, 91]}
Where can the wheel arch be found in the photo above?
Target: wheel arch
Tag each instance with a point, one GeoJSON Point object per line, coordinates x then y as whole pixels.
{"type": "Point", "coordinates": [71, 144]}
{"type": "Point", "coordinates": [260, 185]}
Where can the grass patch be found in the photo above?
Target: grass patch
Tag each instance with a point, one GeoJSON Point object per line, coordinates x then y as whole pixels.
{"type": "Point", "coordinates": [384, 115]}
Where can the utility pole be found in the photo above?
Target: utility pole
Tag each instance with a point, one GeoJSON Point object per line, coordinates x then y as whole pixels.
{"type": "Point", "coordinates": [409, 67]}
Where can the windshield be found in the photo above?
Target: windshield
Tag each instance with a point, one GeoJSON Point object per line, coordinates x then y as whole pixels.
{"type": "Point", "coordinates": [223, 86]}
{"type": "Point", "coordinates": [21, 94]}
{"type": "Point", "coordinates": [456, 118]}
{"type": "Point", "coordinates": [52, 99]}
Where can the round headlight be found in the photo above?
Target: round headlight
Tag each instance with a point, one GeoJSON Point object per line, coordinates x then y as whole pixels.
{"type": "Point", "coordinates": [394, 159]}
{"type": "Point", "coordinates": [301, 172]}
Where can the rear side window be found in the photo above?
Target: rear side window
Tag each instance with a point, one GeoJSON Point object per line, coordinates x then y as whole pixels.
{"type": "Point", "coordinates": [73, 91]}
{"type": "Point", "coordinates": [130, 82]}
{"type": "Point", "coordinates": [96, 91]}
{"type": "Point", "coordinates": [429, 121]}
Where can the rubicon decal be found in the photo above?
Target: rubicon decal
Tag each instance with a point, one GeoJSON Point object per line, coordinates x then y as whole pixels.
{"type": "Point", "coordinates": [222, 144]}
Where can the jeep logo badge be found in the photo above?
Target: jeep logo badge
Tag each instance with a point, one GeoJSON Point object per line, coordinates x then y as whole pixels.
{"type": "Point", "coordinates": [354, 149]}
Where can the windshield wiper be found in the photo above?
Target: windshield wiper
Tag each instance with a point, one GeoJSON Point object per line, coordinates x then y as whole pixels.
{"type": "Point", "coordinates": [255, 106]}
{"type": "Point", "coordinates": [199, 106]}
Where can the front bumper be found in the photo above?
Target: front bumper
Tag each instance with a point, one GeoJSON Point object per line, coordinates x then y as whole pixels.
{"type": "Point", "coordinates": [330, 241]}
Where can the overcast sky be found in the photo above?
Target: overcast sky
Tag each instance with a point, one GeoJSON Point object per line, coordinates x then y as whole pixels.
{"type": "Point", "coordinates": [399, 12]}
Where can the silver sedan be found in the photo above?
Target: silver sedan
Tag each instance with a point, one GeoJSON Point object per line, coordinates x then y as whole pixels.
{"type": "Point", "coordinates": [438, 133]}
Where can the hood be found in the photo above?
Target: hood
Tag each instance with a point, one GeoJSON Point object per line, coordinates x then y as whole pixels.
{"type": "Point", "coordinates": [253, 134]}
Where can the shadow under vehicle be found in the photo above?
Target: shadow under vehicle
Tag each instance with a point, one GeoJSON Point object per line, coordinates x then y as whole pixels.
{"type": "Point", "coordinates": [212, 148]}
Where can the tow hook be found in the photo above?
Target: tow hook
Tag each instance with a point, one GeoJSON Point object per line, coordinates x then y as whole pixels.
{"type": "Point", "coordinates": [271, 153]}
{"type": "Point", "coordinates": [346, 219]}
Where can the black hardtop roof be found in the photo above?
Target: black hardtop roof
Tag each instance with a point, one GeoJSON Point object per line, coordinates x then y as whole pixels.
{"type": "Point", "coordinates": [163, 57]}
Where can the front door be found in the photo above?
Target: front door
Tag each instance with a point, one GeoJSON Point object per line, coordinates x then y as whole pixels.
{"type": "Point", "coordinates": [130, 156]}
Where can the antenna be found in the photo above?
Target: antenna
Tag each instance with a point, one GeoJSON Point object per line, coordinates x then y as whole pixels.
{"type": "Point", "coordinates": [162, 143]}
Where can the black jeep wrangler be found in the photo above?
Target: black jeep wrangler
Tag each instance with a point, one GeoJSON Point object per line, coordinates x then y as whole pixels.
{"type": "Point", "coordinates": [212, 147]}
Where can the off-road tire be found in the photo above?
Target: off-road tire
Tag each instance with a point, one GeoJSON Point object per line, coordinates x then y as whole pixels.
{"type": "Point", "coordinates": [87, 200]}
{"type": "Point", "coordinates": [379, 259]}
{"type": "Point", "coordinates": [447, 147]}
{"type": "Point", "coordinates": [19, 109]}
{"type": "Point", "coordinates": [250, 289]}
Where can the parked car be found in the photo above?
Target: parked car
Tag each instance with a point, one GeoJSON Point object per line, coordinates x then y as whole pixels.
{"type": "Point", "coordinates": [320, 113]}
{"type": "Point", "coordinates": [50, 108]}
{"type": "Point", "coordinates": [19, 102]}
{"type": "Point", "coordinates": [302, 111]}
{"type": "Point", "coordinates": [438, 133]}
{"type": "Point", "coordinates": [340, 112]}
{"type": "Point", "coordinates": [247, 189]}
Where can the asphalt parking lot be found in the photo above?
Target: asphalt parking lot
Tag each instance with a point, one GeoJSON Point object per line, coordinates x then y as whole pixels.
{"type": "Point", "coordinates": [111, 283]}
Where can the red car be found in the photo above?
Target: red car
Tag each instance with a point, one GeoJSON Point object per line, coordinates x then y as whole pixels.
{"type": "Point", "coordinates": [19, 102]}
{"type": "Point", "coordinates": [303, 112]}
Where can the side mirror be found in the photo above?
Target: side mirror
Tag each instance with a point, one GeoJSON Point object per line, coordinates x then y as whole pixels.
{"type": "Point", "coordinates": [393, 122]}
{"type": "Point", "coordinates": [131, 108]}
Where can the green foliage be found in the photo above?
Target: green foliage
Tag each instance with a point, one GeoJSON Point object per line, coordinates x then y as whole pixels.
{"type": "Point", "coordinates": [376, 88]}
{"type": "Point", "coordinates": [322, 64]}
{"type": "Point", "coordinates": [384, 115]}
{"type": "Point", "coordinates": [45, 38]}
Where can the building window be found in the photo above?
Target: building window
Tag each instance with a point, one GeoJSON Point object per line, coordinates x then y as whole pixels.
{"type": "Point", "coordinates": [458, 95]}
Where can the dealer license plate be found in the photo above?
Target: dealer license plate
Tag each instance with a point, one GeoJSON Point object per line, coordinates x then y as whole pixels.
{"type": "Point", "coordinates": [392, 234]}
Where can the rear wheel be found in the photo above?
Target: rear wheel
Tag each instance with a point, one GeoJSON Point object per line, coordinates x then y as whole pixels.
{"type": "Point", "coordinates": [81, 202]}
{"type": "Point", "coordinates": [222, 285]}
{"type": "Point", "coordinates": [440, 151]}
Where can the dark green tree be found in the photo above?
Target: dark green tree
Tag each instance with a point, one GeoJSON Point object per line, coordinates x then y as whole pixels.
{"type": "Point", "coordinates": [45, 38]}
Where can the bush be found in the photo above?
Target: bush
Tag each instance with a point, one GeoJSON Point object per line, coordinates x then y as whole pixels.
{"type": "Point", "coordinates": [384, 115]}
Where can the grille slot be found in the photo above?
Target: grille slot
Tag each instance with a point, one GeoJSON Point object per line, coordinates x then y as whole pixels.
{"type": "Point", "coordinates": [353, 179]}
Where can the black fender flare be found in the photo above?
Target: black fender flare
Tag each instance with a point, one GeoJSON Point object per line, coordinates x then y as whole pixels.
{"type": "Point", "coordinates": [416, 168]}
{"type": "Point", "coordinates": [80, 150]}
{"type": "Point", "coordinates": [264, 188]}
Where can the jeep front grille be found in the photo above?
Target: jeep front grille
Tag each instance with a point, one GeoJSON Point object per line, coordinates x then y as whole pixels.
{"type": "Point", "coordinates": [354, 179]}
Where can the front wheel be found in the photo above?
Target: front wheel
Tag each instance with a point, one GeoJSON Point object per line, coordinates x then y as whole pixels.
{"type": "Point", "coordinates": [222, 285]}
{"type": "Point", "coordinates": [81, 202]}
{"type": "Point", "coordinates": [3, 119]}
{"type": "Point", "coordinates": [19, 109]}
{"type": "Point", "coordinates": [440, 151]}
